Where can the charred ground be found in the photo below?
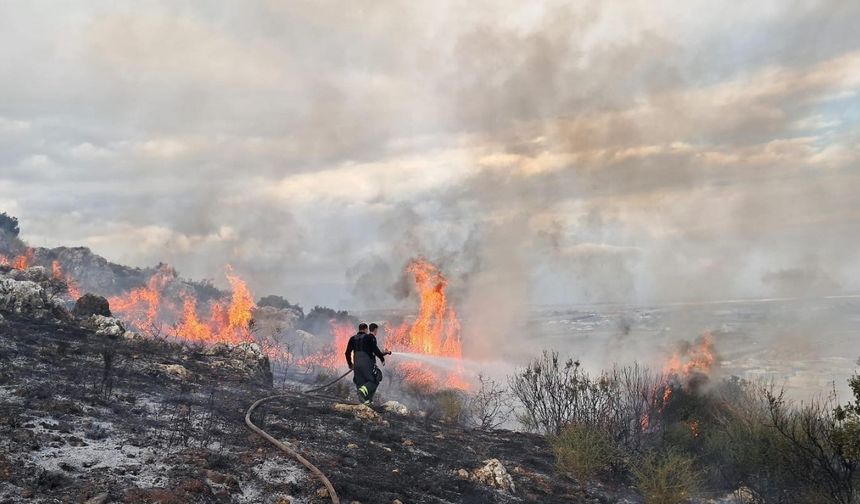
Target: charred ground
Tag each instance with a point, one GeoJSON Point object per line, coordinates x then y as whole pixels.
{"type": "Point", "coordinates": [86, 417]}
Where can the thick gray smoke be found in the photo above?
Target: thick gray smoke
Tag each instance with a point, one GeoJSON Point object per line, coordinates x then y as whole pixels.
{"type": "Point", "coordinates": [552, 153]}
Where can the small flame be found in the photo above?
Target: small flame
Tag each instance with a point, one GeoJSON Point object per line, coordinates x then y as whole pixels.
{"type": "Point", "coordinates": [141, 306]}
{"type": "Point", "coordinates": [20, 262]}
{"type": "Point", "coordinates": [689, 365]}
{"type": "Point", "coordinates": [693, 359]}
{"type": "Point", "coordinates": [71, 285]}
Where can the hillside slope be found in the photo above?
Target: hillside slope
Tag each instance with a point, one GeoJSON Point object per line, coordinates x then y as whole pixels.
{"type": "Point", "coordinates": [89, 415]}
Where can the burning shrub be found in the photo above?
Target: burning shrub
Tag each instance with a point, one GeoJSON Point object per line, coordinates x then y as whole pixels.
{"type": "Point", "coordinates": [668, 478]}
{"type": "Point", "coordinates": [584, 451]}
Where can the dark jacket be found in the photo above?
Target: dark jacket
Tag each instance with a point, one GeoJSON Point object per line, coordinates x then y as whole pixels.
{"type": "Point", "coordinates": [366, 343]}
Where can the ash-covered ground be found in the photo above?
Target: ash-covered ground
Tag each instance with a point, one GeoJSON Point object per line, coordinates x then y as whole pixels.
{"type": "Point", "coordinates": [93, 414]}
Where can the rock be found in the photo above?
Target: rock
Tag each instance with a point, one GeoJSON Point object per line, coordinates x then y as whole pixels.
{"type": "Point", "coordinates": [352, 446]}
{"type": "Point", "coordinates": [304, 335]}
{"type": "Point", "coordinates": [175, 371]}
{"type": "Point", "coordinates": [101, 498]}
{"type": "Point", "coordinates": [105, 326]}
{"type": "Point", "coordinates": [396, 408]}
{"type": "Point", "coordinates": [360, 411]}
{"type": "Point", "coordinates": [245, 358]}
{"type": "Point", "coordinates": [90, 304]}
{"type": "Point", "coordinates": [36, 274]}
{"type": "Point", "coordinates": [221, 484]}
{"type": "Point", "coordinates": [29, 299]}
{"type": "Point", "coordinates": [494, 474]}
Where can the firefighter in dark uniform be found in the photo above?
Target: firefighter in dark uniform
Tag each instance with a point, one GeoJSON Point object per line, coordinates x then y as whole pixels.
{"type": "Point", "coordinates": [361, 353]}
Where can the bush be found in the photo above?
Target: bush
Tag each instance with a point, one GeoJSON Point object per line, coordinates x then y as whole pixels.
{"type": "Point", "coordinates": [584, 451]}
{"type": "Point", "coordinates": [668, 478]}
{"type": "Point", "coordinates": [452, 406]}
{"type": "Point", "coordinates": [620, 401]}
{"type": "Point", "coordinates": [489, 407]}
{"type": "Point", "coordinates": [280, 303]}
{"type": "Point", "coordinates": [320, 318]}
{"type": "Point", "coordinates": [556, 393]}
{"type": "Point", "coordinates": [742, 449]}
{"type": "Point", "coordinates": [822, 445]}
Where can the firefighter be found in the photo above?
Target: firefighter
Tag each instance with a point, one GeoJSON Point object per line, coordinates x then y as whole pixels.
{"type": "Point", "coordinates": [361, 353]}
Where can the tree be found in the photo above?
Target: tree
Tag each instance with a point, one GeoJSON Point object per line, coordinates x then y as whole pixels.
{"type": "Point", "coordinates": [9, 225]}
{"type": "Point", "coordinates": [280, 303]}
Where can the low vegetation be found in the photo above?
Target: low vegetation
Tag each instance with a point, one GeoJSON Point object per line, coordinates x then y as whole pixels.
{"type": "Point", "coordinates": [666, 478]}
{"type": "Point", "coordinates": [584, 451]}
{"type": "Point", "coordinates": [675, 437]}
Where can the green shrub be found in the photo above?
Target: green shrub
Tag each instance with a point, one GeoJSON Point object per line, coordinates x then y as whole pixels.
{"type": "Point", "coordinates": [583, 451]}
{"type": "Point", "coordinates": [452, 405]}
{"type": "Point", "coordinates": [668, 478]}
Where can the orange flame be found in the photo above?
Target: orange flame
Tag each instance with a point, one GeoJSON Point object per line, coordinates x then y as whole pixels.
{"type": "Point", "coordinates": [691, 359]}
{"type": "Point", "coordinates": [20, 262]}
{"type": "Point", "coordinates": [242, 304]}
{"type": "Point", "coordinates": [688, 364]}
{"type": "Point", "coordinates": [226, 325]}
{"type": "Point", "coordinates": [331, 358]}
{"type": "Point", "coordinates": [57, 273]}
{"type": "Point", "coordinates": [436, 329]}
{"type": "Point", "coordinates": [141, 306]}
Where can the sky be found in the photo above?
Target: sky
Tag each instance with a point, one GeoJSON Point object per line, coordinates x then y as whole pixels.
{"type": "Point", "coordinates": [541, 153]}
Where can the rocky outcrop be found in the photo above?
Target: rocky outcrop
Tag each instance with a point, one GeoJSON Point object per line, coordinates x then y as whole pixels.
{"type": "Point", "coordinates": [92, 272]}
{"type": "Point", "coordinates": [396, 408]}
{"type": "Point", "coordinates": [105, 326]}
{"type": "Point", "coordinates": [176, 371]}
{"type": "Point", "coordinates": [29, 299]}
{"type": "Point", "coordinates": [494, 474]}
{"type": "Point", "coordinates": [246, 359]}
{"type": "Point", "coordinates": [359, 411]}
{"type": "Point", "coordinates": [90, 304]}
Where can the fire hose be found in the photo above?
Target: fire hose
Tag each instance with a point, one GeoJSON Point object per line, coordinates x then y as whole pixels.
{"type": "Point", "coordinates": [288, 450]}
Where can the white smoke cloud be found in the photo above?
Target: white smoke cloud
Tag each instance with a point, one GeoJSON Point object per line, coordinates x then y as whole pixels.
{"type": "Point", "coordinates": [543, 153]}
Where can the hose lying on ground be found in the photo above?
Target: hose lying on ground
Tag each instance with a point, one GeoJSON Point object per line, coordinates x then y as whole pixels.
{"type": "Point", "coordinates": [289, 451]}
